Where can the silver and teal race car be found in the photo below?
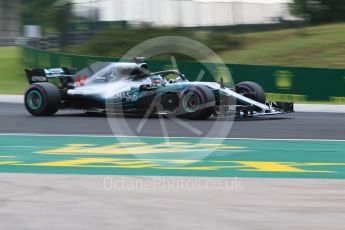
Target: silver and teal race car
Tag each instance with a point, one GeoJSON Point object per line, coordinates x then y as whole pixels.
{"type": "Point", "coordinates": [129, 88]}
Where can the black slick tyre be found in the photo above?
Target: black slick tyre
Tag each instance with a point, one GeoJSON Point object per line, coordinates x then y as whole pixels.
{"type": "Point", "coordinates": [197, 102]}
{"type": "Point", "coordinates": [42, 99]}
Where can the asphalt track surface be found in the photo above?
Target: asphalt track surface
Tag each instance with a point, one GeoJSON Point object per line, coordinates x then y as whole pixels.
{"type": "Point", "coordinates": [306, 125]}
{"type": "Point", "coordinates": [37, 201]}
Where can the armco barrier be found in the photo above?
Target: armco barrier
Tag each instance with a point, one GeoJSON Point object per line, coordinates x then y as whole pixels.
{"type": "Point", "coordinates": [280, 83]}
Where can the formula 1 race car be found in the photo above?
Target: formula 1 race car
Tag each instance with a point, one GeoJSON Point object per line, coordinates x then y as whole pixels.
{"type": "Point", "coordinates": [129, 88]}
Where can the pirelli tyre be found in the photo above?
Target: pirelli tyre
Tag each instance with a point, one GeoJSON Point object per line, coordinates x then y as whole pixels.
{"type": "Point", "coordinates": [197, 102]}
{"type": "Point", "coordinates": [42, 99]}
{"type": "Point", "coordinates": [251, 90]}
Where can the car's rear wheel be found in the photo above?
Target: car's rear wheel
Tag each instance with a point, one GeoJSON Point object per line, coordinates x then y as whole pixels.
{"type": "Point", "coordinates": [197, 102]}
{"type": "Point", "coordinates": [42, 99]}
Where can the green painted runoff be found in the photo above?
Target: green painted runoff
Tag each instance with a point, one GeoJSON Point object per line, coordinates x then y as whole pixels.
{"type": "Point", "coordinates": [172, 156]}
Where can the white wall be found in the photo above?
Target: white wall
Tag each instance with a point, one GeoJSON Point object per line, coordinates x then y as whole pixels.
{"type": "Point", "coordinates": [193, 12]}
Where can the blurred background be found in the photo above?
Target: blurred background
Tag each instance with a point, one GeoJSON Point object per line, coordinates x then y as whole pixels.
{"type": "Point", "coordinates": [266, 33]}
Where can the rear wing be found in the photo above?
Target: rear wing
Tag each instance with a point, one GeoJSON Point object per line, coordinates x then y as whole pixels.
{"type": "Point", "coordinates": [43, 75]}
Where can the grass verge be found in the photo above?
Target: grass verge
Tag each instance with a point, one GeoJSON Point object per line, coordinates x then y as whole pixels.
{"type": "Point", "coordinates": [319, 46]}
{"type": "Point", "coordinates": [12, 79]}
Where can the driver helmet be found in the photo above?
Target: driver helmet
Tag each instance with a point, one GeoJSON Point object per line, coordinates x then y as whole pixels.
{"type": "Point", "coordinates": [157, 80]}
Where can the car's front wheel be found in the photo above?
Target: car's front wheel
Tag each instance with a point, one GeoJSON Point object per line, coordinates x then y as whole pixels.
{"type": "Point", "coordinates": [251, 90]}
{"type": "Point", "coordinates": [42, 99]}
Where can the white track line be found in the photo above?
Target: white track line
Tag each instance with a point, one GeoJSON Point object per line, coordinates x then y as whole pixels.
{"type": "Point", "coordinates": [11, 98]}
{"type": "Point", "coordinates": [319, 108]}
{"type": "Point", "coordinates": [216, 138]}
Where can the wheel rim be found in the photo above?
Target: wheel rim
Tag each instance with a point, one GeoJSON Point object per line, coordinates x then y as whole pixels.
{"type": "Point", "coordinates": [34, 100]}
{"type": "Point", "coordinates": [191, 102]}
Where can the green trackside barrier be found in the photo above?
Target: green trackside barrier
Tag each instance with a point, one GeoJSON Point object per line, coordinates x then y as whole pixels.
{"type": "Point", "coordinates": [297, 84]}
{"type": "Point", "coordinates": [280, 83]}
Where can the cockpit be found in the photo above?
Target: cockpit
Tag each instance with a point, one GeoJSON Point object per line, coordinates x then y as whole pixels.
{"type": "Point", "coordinates": [106, 72]}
